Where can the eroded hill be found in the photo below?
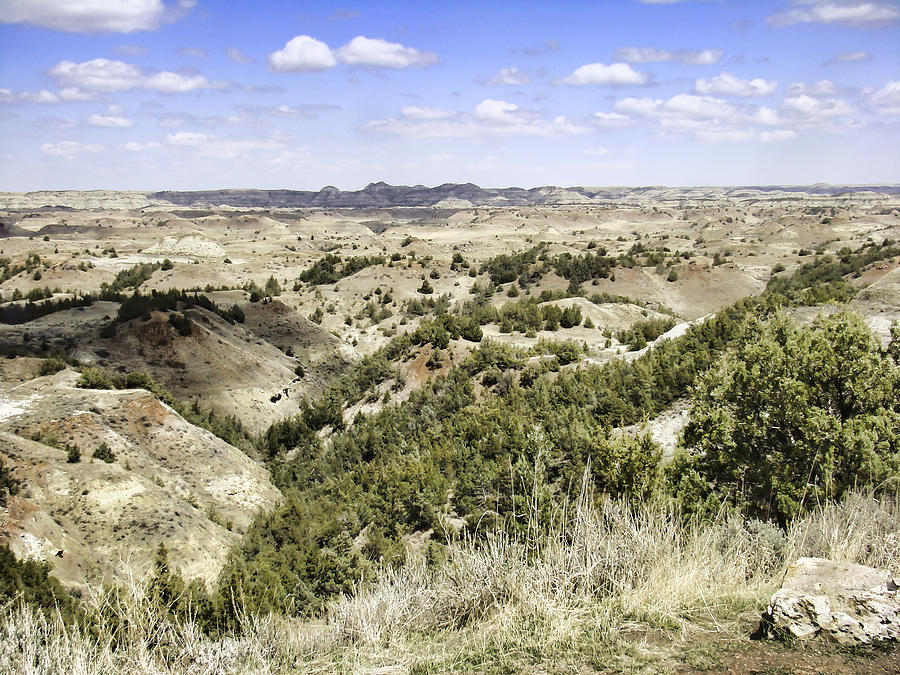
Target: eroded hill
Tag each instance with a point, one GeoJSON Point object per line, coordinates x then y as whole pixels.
{"type": "Point", "coordinates": [166, 481]}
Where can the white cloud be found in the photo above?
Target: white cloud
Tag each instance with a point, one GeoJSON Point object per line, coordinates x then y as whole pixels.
{"type": "Point", "coordinates": [306, 111]}
{"type": "Point", "coordinates": [378, 53]}
{"type": "Point", "coordinates": [597, 151]}
{"type": "Point", "coordinates": [702, 57]}
{"type": "Point", "coordinates": [108, 75]}
{"type": "Point", "coordinates": [727, 84]}
{"type": "Point", "coordinates": [173, 83]}
{"type": "Point", "coordinates": [43, 96]}
{"type": "Point", "coordinates": [511, 76]}
{"type": "Point", "coordinates": [491, 117]}
{"type": "Point", "coordinates": [112, 118]}
{"type": "Point", "coordinates": [277, 150]}
{"type": "Point", "coordinates": [415, 112]}
{"type": "Point", "coordinates": [237, 55]}
{"type": "Point", "coordinates": [68, 94]}
{"type": "Point", "coordinates": [681, 108]}
{"type": "Point", "coordinates": [887, 99]}
{"type": "Point", "coordinates": [604, 119]}
{"type": "Point", "coordinates": [599, 73]}
{"type": "Point", "coordinates": [190, 138]}
{"type": "Point", "coordinates": [302, 54]}
{"type": "Point", "coordinates": [496, 111]}
{"type": "Point", "coordinates": [69, 149]}
{"type": "Point", "coordinates": [134, 146]}
{"type": "Point", "coordinates": [75, 94]}
{"type": "Point", "coordinates": [849, 12]}
{"type": "Point", "coordinates": [807, 107]}
{"type": "Point", "coordinates": [817, 89]}
{"type": "Point", "coordinates": [713, 120]}
{"type": "Point", "coordinates": [97, 75]}
{"type": "Point", "coordinates": [94, 16]}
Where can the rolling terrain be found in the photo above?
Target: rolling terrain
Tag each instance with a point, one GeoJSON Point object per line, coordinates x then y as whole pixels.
{"type": "Point", "coordinates": [298, 390]}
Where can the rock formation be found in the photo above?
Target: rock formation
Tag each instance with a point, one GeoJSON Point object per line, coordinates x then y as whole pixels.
{"type": "Point", "coordinates": [850, 604]}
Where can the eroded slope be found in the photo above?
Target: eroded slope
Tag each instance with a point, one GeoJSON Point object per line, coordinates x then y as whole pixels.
{"type": "Point", "coordinates": [170, 483]}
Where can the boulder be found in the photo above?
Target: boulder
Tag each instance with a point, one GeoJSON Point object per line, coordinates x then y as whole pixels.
{"type": "Point", "coordinates": [850, 604]}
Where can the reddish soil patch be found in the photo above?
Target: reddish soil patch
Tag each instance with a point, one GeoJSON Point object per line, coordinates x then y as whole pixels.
{"type": "Point", "coordinates": [778, 658]}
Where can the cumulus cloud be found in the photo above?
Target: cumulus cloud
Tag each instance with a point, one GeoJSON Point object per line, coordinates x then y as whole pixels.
{"type": "Point", "coordinates": [727, 84]}
{"type": "Point", "coordinates": [378, 53]}
{"type": "Point", "coordinates": [302, 54]}
{"type": "Point", "coordinates": [714, 120]}
{"type": "Point", "coordinates": [69, 149]}
{"type": "Point", "coordinates": [237, 55]}
{"type": "Point", "coordinates": [887, 99]}
{"type": "Point", "coordinates": [702, 57]}
{"type": "Point", "coordinates": [109, 75]}
{"type": "Point", "coordinates": [848, 12]}
{"type": "Point", "coordinates": [808, 108]}
{"type": "Point", "coordinates": [602, 74]}
{"type": "Point", "coordinates": [172, 83]}
{"type": "Point", "coordinates": [94, 16]}
{"type": "Point", "coordinates": [305, 53]}
{"type": "Point", "coordinates": [113, 118]}
{"type": "Point", "coordinates": [491, 117]}
{"type": "Point", "coordinates": [68, 94]}
{"type": "Point", "coordinates": [510, 76]}
{"type": "Point", "coordinates": [43, 96]}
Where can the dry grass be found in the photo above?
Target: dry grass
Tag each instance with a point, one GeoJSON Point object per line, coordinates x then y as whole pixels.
{"type": "Point", "coordinates": [581, 596]}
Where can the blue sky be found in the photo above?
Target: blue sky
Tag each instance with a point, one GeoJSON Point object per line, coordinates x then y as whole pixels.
{"type": "Point", "coordinates": [194, 94]}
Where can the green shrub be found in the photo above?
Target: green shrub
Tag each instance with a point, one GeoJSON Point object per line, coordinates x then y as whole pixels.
{"type": "Point", "coordinates": [94, 378]}
{"type": "Point", "coordinates": [104, 453]}
{"type": "Point", "coordinates": [30, 582]}
{"type": "Point", "coordinates": [51, 366]}
{"type": "Point", "coordinates": [8, 484]}
{"type": "Point", "coordinates": [797, 415]}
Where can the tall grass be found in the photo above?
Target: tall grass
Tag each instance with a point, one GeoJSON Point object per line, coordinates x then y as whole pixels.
{"type": "Point", "coordinates": [592, 590]}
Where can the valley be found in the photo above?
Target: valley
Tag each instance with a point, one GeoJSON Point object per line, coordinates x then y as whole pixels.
{"type": "Point", "coordinates": [300, 390]}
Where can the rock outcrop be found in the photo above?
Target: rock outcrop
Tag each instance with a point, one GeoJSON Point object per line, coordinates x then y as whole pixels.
{"type": "Point", "coordinates": [850, 604]}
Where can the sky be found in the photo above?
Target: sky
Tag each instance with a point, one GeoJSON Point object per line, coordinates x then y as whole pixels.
{"type": "Point", "coordinates": [204, 94]}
